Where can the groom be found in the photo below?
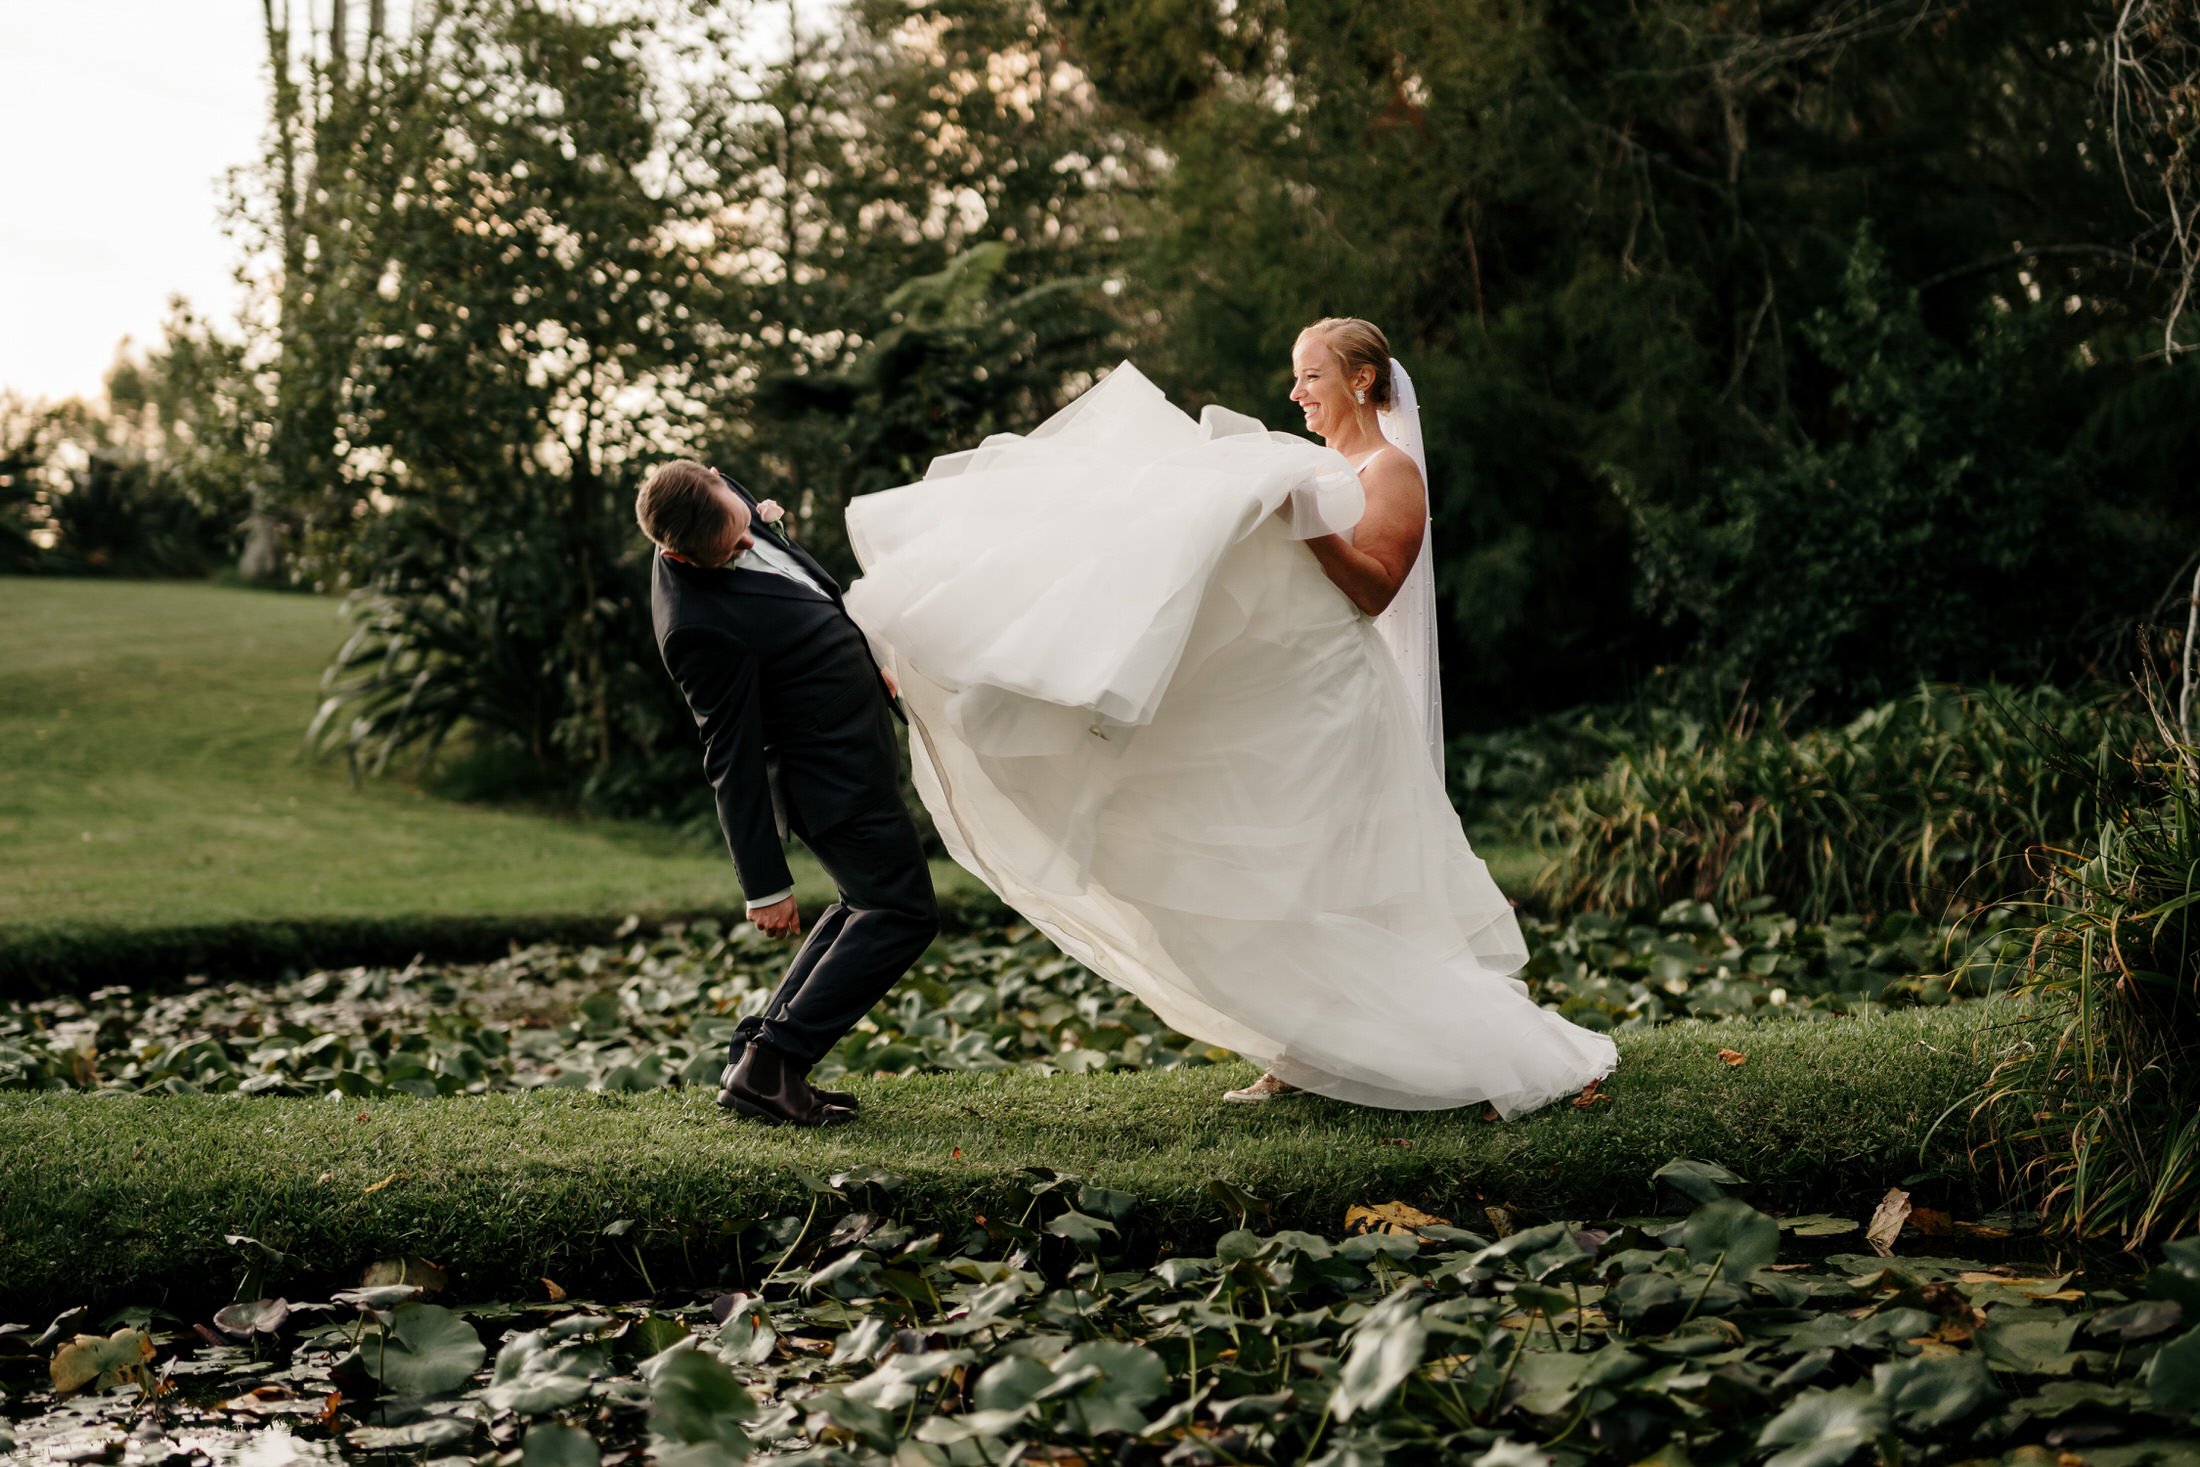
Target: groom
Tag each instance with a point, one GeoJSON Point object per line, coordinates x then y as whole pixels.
{"type": "Point", "coordinates": [797, 735]}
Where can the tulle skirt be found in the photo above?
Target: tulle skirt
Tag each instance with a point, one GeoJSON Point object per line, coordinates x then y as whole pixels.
{"type": "Point", "coordinates": [1144, 717]}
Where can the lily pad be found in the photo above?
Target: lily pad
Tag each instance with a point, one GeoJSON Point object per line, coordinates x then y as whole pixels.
{"type": "Point", "coordinates": [425, 1350]}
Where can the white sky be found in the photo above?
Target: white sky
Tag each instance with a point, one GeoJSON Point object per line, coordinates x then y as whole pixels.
{"type": "Point", "coordinates": [118, 119]}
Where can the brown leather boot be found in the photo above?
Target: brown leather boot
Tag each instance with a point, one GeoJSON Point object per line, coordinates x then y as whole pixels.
{"type": "Point", "coordinates": [767, 1084]}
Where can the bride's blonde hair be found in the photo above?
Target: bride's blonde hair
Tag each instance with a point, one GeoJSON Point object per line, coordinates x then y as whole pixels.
{"type": "Point", "coordinates": [1358, 344]}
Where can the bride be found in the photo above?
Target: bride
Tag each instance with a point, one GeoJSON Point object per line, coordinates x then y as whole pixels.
{"type": "Point", "coordinates": [1155, 705]}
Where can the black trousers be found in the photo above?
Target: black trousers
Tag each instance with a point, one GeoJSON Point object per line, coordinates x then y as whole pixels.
{"type": "Point", "coordinates": [859, 946]}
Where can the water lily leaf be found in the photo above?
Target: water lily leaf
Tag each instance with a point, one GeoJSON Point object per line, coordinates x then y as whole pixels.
{"type": "Point", "coordinates": [379, 1298]}
{"type": "Point", "coordinates": [63, 1327]}
{"type": "Point", "coordinates": [1732, 1236]}
{"type": "Point", "coordinates": [1386, 1348]}
{"type": "Point", "coordinates": [1237, 1199]}
{"type": "Point", "coordinates": [260, 1317]}
{"type": "Point", "coordinates": [435, 1435]}
{"type": "Point", "coordinates": [537, 1374]}
{"type": "Point", "coordinates": [101, 1361]}
{"type": "Point", "coordinates": [1551, 1380]}
{"type": "Point", "coordinates": [1927, 1392]}
{"type": "Point", "coordinates": [1824, 1428]}
{"type": "Point", "coordinates": [850, 1276]}
{"type": "Point", "coordinates": [2142, 1319]}
{"type": "Point", "coordinates": [1123, 1380]}
{"type": "Point", "coordinates": [900, 1379]}
{"type": "Point", "coordinates": [1079, 1228]}
{"type": "Point", "coordinates": [1639, 1297]}
{"type": "Point", "coordinates": [1010, 1384]}
{"type": "Point", "coordinates": [1698, 1181]}
{"type": "Point", "coordinates": [1117, 1207]}
{"type": "Point", "coordinates": [559, 1446]}
{"type": "Point", "coordinates": [1818, 1225]}
{"type": "Point", "coordinates": [2177, 1276]}
{"type": "Point", "coordinates": [2032, 1342]}
{"type": "Point", "coordinates": [424, 1351]}
{"type": "Point", "coordinates": [653, 1334]}
{"type": "Point", "coordinates": [2173, 1376]}
{"type": "Point", "coordinates": [697, 1410]}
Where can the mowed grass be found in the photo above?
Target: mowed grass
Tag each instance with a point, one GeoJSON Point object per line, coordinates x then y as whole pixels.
{"type": "Point", "coordinates": [151, 776]}
{"type": "Point", "coordinates": [115, 1200]}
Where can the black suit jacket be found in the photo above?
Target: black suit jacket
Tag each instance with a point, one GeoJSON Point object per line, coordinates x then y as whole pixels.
{"type": "Point", "coordinates": [794, 715]}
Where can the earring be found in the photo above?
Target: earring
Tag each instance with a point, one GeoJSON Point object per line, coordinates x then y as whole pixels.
{"type": "Point", "coordinates": [1359, 395]}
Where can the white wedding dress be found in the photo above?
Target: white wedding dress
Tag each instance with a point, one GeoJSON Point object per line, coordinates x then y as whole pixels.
{"type": "Point", "coordinates": [1141, 713]}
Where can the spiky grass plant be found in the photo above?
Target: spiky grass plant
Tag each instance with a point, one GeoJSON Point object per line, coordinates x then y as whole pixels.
{"type": "Point", "coordinates": [2095, 1118]}
{"type": "Point", "coordinates": [1921, 804]}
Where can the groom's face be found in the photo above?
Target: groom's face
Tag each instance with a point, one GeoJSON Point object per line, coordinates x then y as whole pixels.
{"type": "Point", "coordinates": [738, 538]}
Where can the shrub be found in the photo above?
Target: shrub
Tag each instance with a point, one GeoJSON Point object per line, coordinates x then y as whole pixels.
{"type": "Point", "coordinates": [2098, 1118]}
{"type": "Point", "coordinates": [1919, 804]}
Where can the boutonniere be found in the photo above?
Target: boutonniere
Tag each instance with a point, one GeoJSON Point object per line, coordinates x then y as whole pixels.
{"type": "Point", "coordinates": [771, 512]}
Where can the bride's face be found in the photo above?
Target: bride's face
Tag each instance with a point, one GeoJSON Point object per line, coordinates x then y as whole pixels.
{"type": "Point", "coordinates": [1319, 387]}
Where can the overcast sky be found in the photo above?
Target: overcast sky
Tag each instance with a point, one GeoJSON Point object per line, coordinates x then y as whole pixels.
{"type": "Point", "coordinates": [119, 118]}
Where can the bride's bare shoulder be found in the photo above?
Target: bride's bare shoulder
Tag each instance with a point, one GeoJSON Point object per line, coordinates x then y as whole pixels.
{"type": "Point", "coordinates": [1393, 473]}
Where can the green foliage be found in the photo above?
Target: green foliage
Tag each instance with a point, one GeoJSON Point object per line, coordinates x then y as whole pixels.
{"type": "Point", "coordinates": [1930, 804]}
{"type": "Point", "coordinates": [1617, 250]}
{"type": "Point", "coordinates": [119, 515]}
{"type": "Point", "coordinates": [2099, 1118]}
{"type": "Point", "coordinates": [870, 1331]}
{"type": "Point", "coordinates": [658, 1011]}
{"type": "Point", "coordinates": [1936, 524]}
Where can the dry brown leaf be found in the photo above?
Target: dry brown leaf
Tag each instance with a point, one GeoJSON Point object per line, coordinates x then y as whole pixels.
{"type": "Point", "coordinates": [378, 1186]}
{"type": "Point", "coordinates": [269, 1399]}
{"type": "Point", "coordinates": [1887, 1220]}
{"type": "Point", "coordinates": [1733, 1057]}
{"type": "Point", "coordinates": [550, 1287]}
{"type": "Point", "coordinates": [1391, 1217]}
{"type": "Point", "coordinates": [1591, 1095]}
{"type": "Point", "coordinates": [427, 1277]}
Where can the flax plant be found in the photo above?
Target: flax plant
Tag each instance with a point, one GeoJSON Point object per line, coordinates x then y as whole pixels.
{"type": "Point", "coordinates": [1923, 804]}
{"type": "Point", "coordinates": [2096, 1118]}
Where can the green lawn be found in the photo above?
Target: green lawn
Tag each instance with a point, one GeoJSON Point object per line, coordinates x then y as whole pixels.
{"type": "Point", "coordinates": [122, 1199]}
{"type": "Point", "coordinates": [151, 777]}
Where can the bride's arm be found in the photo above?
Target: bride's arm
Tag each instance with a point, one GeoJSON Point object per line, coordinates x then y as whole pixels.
{"type": "Point", "coordinates": [1373, 565]}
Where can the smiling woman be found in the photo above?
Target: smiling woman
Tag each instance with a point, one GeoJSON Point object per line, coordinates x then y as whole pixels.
{"type": "Point", "coordinates": [142, 108]}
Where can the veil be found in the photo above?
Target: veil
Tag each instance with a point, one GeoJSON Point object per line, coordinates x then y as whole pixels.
{"type": "Point", "coordinates": [1408, 625]}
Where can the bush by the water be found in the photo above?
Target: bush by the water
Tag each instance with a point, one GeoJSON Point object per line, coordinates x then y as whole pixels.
{"type": "Point", "coordinates": [2099, 1118]}
{"type": "Point", "coordinates": [1925, 804]}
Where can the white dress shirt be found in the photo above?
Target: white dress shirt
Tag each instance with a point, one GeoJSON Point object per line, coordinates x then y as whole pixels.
{"type": "Point", "coordinates": [763, 555]}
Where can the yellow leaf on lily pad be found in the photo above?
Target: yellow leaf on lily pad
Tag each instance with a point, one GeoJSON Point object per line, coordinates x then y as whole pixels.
{"type": "Point", "coordinates": [102, 1362]}
{"type": "Point", "coordinates": [1391, 1217]}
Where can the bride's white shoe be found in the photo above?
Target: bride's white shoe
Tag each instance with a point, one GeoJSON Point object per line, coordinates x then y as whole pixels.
{"type": "Point", "coordinates": [1267, 1087]}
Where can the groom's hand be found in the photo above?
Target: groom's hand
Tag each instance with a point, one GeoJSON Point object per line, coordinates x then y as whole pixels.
{"type": "Point", "coordinates": [780, 919]}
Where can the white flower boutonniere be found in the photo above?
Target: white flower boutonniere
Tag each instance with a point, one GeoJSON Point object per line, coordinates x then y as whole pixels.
{"type": "Point", "coordinates": [770, 511]}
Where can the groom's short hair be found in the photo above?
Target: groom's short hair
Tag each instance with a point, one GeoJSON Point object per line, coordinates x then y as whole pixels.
{"type": "Point", "coordinates": [680, 508]}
